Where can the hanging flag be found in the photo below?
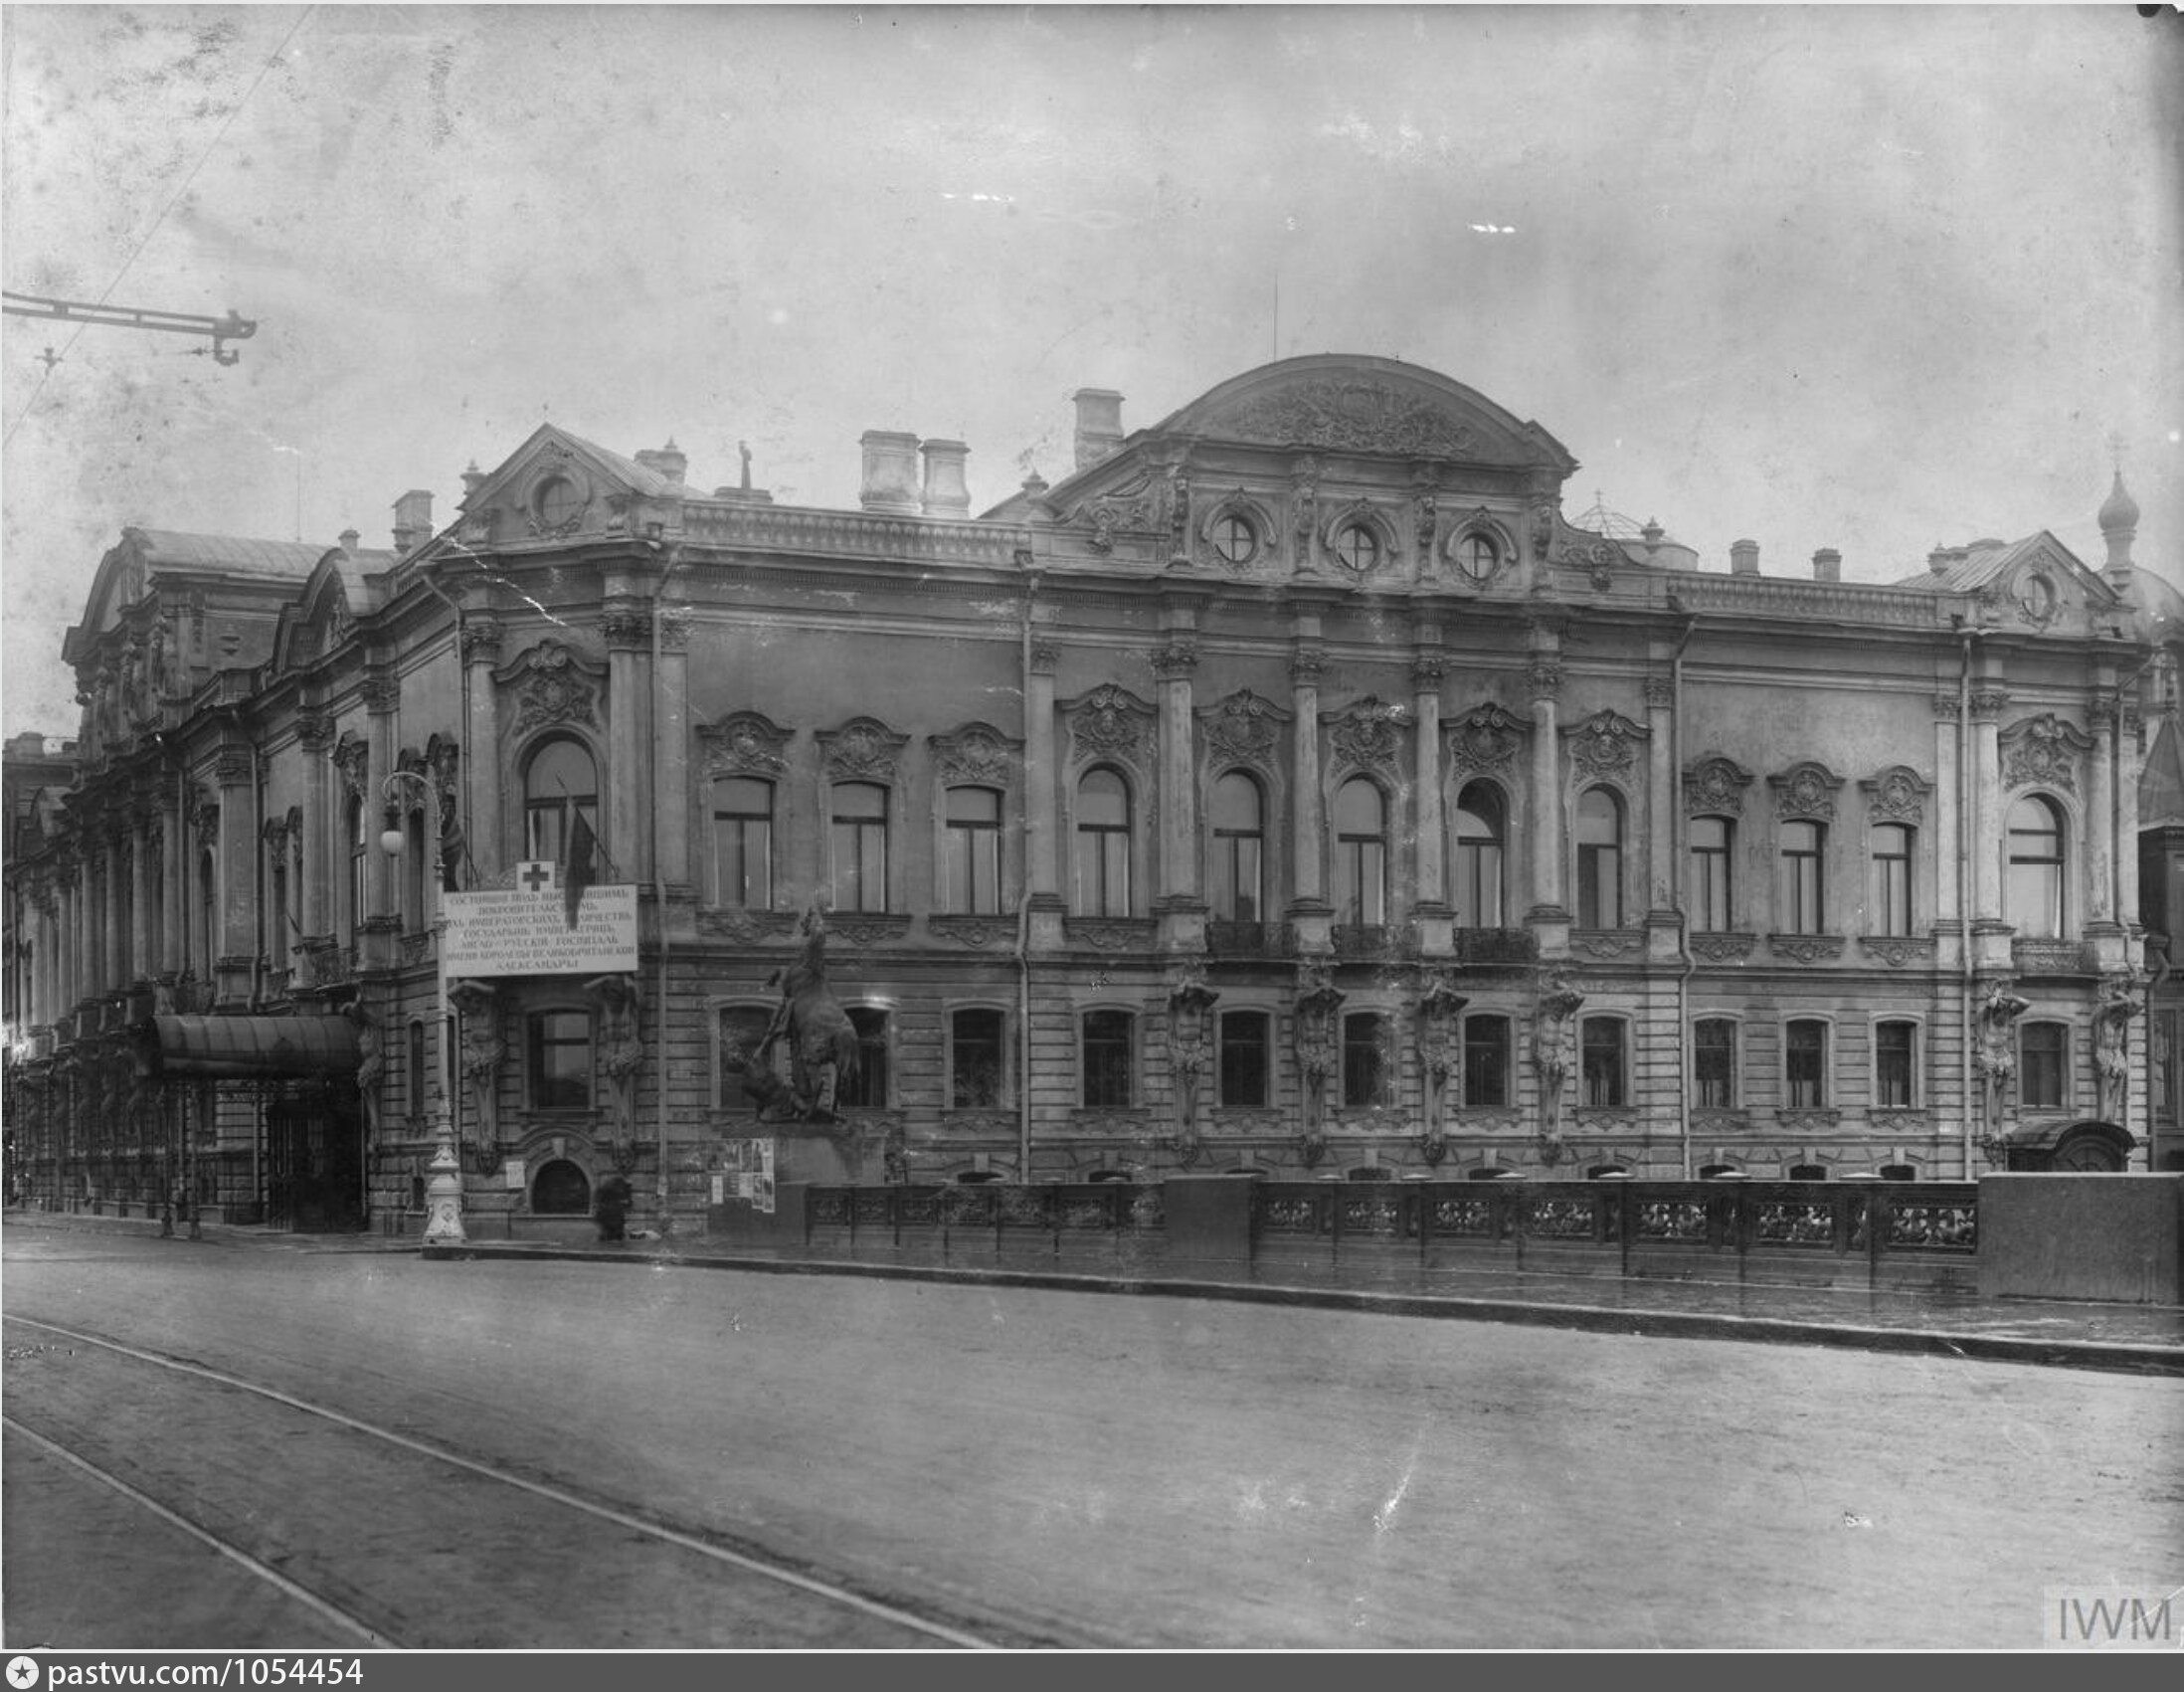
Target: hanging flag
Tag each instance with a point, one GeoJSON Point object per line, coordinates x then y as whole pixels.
{"type": "Point", "coordinates": [581, 872]}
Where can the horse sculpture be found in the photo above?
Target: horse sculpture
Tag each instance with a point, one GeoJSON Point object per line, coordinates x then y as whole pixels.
{"type": "Point", "coordinates": [823, 1041]}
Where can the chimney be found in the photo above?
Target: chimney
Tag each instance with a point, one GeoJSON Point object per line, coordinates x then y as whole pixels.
{"type": "Point", "coordinates": [1827, 565]}
{"type": "Point", "coordinates": [349, 538]}
{"type": "Point", "coordinates": [472, 479]}
{"type": "Point", "coordinates": [670, 460]}
{"type": "Point", "coordinates": [413, 524]}
{"type": "Point", "coordinates": [1099, 424]}
{"type": "Point", "coordinates": [947, 494]}
{"type": "Point", "coordinates": [1743, 558]}
{"type": "Point", "coordinates": [1939, 561]}
{"type": "Point", "coordinates": [891, 472]}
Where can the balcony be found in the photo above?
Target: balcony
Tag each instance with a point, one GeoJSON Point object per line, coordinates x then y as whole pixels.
{"type": "Point", "coordinates": [1249, 939]}
{"type": "Point", "coordinates": [1496, 946]}
{"type": "Point", "coordinates": [2052, 957]}
{"type": "Point", "coordinates": [1370, 941]}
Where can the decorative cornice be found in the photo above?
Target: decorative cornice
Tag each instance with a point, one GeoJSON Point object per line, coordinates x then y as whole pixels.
{"type": "Point", "coordinates": [1176, 661]}
{"type": "Point", "coordinates": [381, 693]}
{"type": "Point", "coordinates": [744, 743]}
{"type": "Point", "coordinates": [1485, 737]}
{"type": "Point", "coordinates": [1660, 691]}
{"type": "Point", "coordinates": [1543, 675]}
{"type": "Point", "coordinates": [1722, 948]}
{"type": "Point", "coordinates": [976, 753]}
{"type": "Point", "coordinates": [627, 628]}
{"type": "Point", "coordinates": [1805, 948]}
{"type": "Point", "coordinates": [1805, 791]}
{"type": "Point", "coordinates": [2043, 751]}
{"type": "Point", "coordinates": [1305, 666]}
{"type": "Point", "coordinates": [1367, 734]}
{"type": "Point", "coordinates": [1715, 786]}
{"type": "Point", "coordinates": [553, 685]}
{"type": "Point", "coordinates": [1605, 743]}
{"type": "Point", "coordinates": [1109, 722]}
{"type": "Point", "coordinates": [1242, 725]}
{"type": "Point", "coordinates": [1044, 657]}
{"type": "Point", "coordinates": [1897, 795]}
{"type": "Point", "coordinates": [232, 768]}
{"type": "Point", "coordinates": [1427, 671]}
{"type": "Point", "coordinates": [1988, 704]}
{"type": "Point", "coordinates": [481, 638]}
{"type": "Point", "coordinates": [862, 749]}
{"type": "Point", "coordinates": [1346, 416]}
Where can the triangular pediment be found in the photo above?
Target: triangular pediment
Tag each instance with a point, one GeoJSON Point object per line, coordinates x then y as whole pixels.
{"type": "Point", "coordinates": [560, 486]}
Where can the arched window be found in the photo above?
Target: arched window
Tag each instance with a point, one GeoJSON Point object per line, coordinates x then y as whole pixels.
{"type": "Point", "coordinates": [1103, 843]}
{"type": "Point", "coordinates": [1108, 1060]}
{"type": "Point", "coordinates": [208, 911]}
{"type": "Point", "coordinates": [1714, 1063]}
{"type": "Point", "coordinates": [1799, 907]}
{"type": "Point", "coordinates": [274, 936]}
{"type": "Point", "coordinates": [870, 1087]}
{"type": "Point", "coordinates": [1604, 1054]}
{"type": "Point", "coordinates": [2036, 868]}
{"type": "Point", "coordinates": [1246, 1058]}
{"type": "Point", "coordinates": [859, 838]}
{"type": "Point", "coordinates": [561, 1189]}
{"type": "Point", "coordinates": [1599, 860]}
{"type": "Point", "coordinates": [2043, 1064]}
{"type": "Point", "coordinates": [1239, 836]}
{"type": "Point", "coordinates": [1895, 1065]}
{"type": "Point", "coordinates": [978, 1058]}
{"type": "Point", "coordinates": [1368, 1073]}
{"type": "Point", "coordinates": [360, 847]}
{"type": "Point", "coordinates": [743, 844]}
{"type": "Point", "coordinates": [973, 851]}
{"type": "Point", "coordinates": [560, 784]}
{"type": "Point", "coordinates": [1891, 878]}
{"type": "Point", "coordinates": [1486, 1061]}
{"type": "Point", "coordinates": [1805, 1064]}
{"type": "Point", "coordinates": [1481, 834]}
{"type": "Point", "coordinates": [1360, 854]}
{"type": "Point", "coordinates": [1711, 838]}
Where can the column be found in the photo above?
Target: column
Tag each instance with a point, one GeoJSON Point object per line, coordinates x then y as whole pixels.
{"type": "Point", "coordinates": [383, 899]}
{"type": "Point", "coordinates": [1308, 909]}
{"type": "Point", "coordinates": [1429, 854]}
{"type": "Point", "coordinates": [629, 628]}
{"type": "Point", "coordinates": [671, 748]}
{"type": "Point", "coordinates": [1948, 891]}
{"type": "Point", "coordinates": [43, 997]}
{"type": "Point", "coordinates": [1041, 811]}
{"type": "Point", "coordinates": [2128, 755]}
{"type": "Point", "coordinates": [1990, 932]}
{"type": "Point", "coordinates": [142, 965]}
{"type": "Point", "coordinates": [2101, 839]}
{"type": "Point", "coordinates": [314, 735]}
{"type": "Point", "coordinates": [481, 758]}
{"type": "Point", "coordinates": [120, 867]}
{"type": "Point", "coordinates": [1181, 911]}
{"type": "Point", "coordinates": [1663, 804]}
{"type": "Point", "coordinates": [1546, 916]}
{"type": "Point", "coordinates": [238, 850]}
{"type": "Point", "coordinates": [172, 897]}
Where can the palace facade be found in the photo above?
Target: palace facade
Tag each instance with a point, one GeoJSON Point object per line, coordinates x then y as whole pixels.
{"type": "Point", "coordinates": [1293, 785]}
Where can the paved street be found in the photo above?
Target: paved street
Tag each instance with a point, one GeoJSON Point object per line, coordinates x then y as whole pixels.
{"type": "Point", "coordinates": [1041, 1466]}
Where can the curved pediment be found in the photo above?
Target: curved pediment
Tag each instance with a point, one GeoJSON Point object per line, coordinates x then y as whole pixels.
{"type": "Point", "coordinates": [1337, 403]}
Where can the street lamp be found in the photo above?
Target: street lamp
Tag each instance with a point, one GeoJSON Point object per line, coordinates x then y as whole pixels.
{"type": "Point", "coordinates": [444, 1188]}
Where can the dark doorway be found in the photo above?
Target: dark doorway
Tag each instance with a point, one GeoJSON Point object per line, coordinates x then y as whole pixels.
{"type": "Point", "coordinates": [561, 1190]}
{"type": "Point", "coordinates": [315, 1170]}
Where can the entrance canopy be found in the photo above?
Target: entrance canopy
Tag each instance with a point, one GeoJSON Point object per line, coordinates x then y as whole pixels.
{"type": "Point", "coordinates": [246, 1049]}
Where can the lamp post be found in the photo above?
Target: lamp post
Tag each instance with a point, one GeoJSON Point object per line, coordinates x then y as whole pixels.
{"type": "Point", "coordinates": [444, 1185]}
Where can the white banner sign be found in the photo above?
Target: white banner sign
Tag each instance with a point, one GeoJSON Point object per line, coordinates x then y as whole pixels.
{"type": "Point", "coordinates": [525, 933]}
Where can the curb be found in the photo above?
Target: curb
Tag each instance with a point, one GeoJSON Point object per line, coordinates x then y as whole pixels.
{"type": "Point", "coordinates": [2108, 1356]}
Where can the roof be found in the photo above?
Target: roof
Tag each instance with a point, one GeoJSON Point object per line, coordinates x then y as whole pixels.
{"type": "Point", "coordinates": [1982, 562]}
{"type": "Point", "coordinates": [237, 554]}
{"type": "Point", "coordinates": [253, 1047]}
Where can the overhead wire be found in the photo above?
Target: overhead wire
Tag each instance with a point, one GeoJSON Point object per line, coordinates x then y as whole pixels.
{"type": "Point", "coordinates": [264, 71]}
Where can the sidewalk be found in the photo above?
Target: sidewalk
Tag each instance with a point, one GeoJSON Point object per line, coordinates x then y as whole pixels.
{"type": "Point", "coordinates": [2130, 1338]}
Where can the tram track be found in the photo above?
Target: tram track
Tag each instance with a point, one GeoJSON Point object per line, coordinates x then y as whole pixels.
{"type": "Point", "coordinates": [502, 1532]}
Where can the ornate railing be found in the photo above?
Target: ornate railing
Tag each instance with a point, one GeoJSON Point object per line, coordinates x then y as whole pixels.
{"type": "Point", "coordinates": [2051, 957]}
{"type": "Point", "coordinates": [1249, 939]}
{"type": "Point", "coordinates": [1495, 945]}
{"type": "Point", "coordinates": [999, 1210]}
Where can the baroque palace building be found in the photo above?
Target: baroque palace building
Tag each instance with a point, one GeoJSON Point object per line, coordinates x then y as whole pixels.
{"type": "Point", "coordinates": [1293, 787]}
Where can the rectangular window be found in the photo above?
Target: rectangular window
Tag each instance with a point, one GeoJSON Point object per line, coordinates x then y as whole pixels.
{"type": "Point", "coordinates": [1361, 883]}
{"type": "Point", "coordinates": [743, 844]}
{"type": "Point", "coordinates": [1365, 1067]}
{"type": "Point", "coordinates": [860, 846]}
{"type": "Point", "coordinates": [1602, 1055]}
{"type": "Point", "coordinates": [1710, 875]}
{"type": "Point", "coordinates": [1599, 886]}
{"type": "Point", "coordinates": [1895, 1045]}
{"type": "Point", "coordinates": [415, 1071]}
{"type": "Point", "coordinates": [1798, 907]}
{"type": "Point", "coordinates": [973, 851]}
{"type": "Point", "coordinates": [561, 1060]}
{"type": "Point", "coordinates": [1714, 1063]}
{"type": "Point", "coordinates": [1891, 878]}
{"type": "Point", "coordinates": [867, 1089]}
{"type": "Point", "coordinates": [2044, 1051]}
{"type": "Point", "coordinates": [1486, 1061]}
{"type": "Point", "coordinates": [1245, 1047]}
{"type": "Point", "coordinates": [1805, 1064]}
{"type": "Point", "coordinates": [977, 1059]}
{"type": "Point", "coordinates": [1107, 1060]}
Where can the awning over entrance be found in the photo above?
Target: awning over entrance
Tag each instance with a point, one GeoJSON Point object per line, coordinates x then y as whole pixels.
{"type": "Point", "coordinates": [2040, 1135]}
{"type": "Point", "coordinates": [252, 1047]}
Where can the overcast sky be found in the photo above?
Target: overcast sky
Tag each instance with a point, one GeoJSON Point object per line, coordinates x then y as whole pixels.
{"type": "Point", "coordinates": [1874, 279]}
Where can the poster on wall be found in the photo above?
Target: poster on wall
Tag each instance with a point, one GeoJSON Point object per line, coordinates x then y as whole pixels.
{"type": "Point", "coordinates": [747, 1166]}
